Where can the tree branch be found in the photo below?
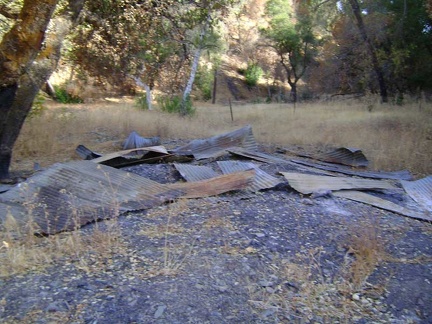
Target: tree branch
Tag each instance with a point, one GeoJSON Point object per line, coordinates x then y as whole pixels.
{"type": "Point", "coordinates": [8, 12]}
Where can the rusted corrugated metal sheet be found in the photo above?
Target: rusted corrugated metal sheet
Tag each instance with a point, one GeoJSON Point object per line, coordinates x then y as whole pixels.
{"type": "Point", "coordinates": [133, 156]}
{"type": "Point", "coordinates": [308, 183]}
{"type": "Point", "coordinates": [380, 203]}
{"type": "Point", "coordinates": [217, 145]}
{"type": "Point", "coordinates": [420, 191]}
{"type": "Point", "coordinates": [85, 153]}
{"type": "Point", "coordinates": [395, 175]}
{"type": "Point", "coordinates": [215, 186]}
{"type": "Point", "coordinates": [136, 141]}
{"type": "Point", "coordinates": [347, 156]}
{"type": "Point", "coordinates": [258, 156]}
{"type": "Point", "coordinates": [69, 195]}
{"type": "Point", "coordinates": [262, 180]}
{"type": "Point", "coordinates": [195, 172]}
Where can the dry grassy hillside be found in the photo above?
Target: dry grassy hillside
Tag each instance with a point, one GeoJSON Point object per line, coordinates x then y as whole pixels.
{"type": "Point", "coordinates": [392, 137]}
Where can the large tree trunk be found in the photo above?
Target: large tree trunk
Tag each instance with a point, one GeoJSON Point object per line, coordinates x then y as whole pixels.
{"type": "Point", "coordinates": [18, 49]}
{"type": "Point", "coordinates": [26, 82]}
{"type": "Point", "coordinates": [376, 66]}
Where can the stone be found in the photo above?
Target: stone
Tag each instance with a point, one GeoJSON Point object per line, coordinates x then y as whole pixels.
{"type": "Point", "coordinates": [159, 312]}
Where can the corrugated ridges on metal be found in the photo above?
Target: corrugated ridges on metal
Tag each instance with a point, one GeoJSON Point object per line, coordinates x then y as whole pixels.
{"type": "Point", "coordinates": [70, 195]}
{"type": "Point", "coordinates": [217, 145]}
{"type": "Point", "coordinates": [395, 175]}
{"type": "Point", "coordinates": [262, 180]}
{"type": "Point", "coordinates": [308, 183]}
{"type": "Point", "coordinates": [258, 156]}
{"type": "Point", "coordinates": [215, 186]}
{"type": "Point", "coordinates": [195, 172]}
{"type": "Point", "coordinates": [420, 191]}
{"type": "Point", "coordinates": [380, 203]}
{"type": "Point", "coordinates": [347, 156]}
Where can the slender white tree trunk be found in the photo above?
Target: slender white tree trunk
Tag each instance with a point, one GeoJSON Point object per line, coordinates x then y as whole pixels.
{"type": "Point", "coordinates": [194, 67]}
{"type": "Point", "coordinates": [147, 89]}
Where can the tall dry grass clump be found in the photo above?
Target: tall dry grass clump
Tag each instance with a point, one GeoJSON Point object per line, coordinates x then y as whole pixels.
{"type": "Point", "coordinates": [392, 137]}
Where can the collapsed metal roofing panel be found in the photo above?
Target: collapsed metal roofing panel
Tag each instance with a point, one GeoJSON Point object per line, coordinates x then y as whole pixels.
{"type": "Point", "coordinates": [395, 175]}
{"type": "Point", "coordinates": [136, 141]}
{"type": "Point", "coordinates": [347, 156]}
{"type": "Point", "coordinates": [195, 172]}
{"type": "Point", "coordinates": [262, 179]}
{"type": "Point", "coordinates": [308, 183]}
{"type": "Point", "coordinates": [215, 186]}
{"type": "Point", "coordinates": [217, 145]}
{"type": "Point", "coordinates": [420, 191]}
{"type": "Point", "coordinates": [258, 156]}
{"type": "Point", "coordinates": [380, 203]}
{"type": "Point", "coordinates": [69, 195]}
{"type": "Point", "coordinates": [133, 156]}
{"type": "Point", "coordinates": [85, 153]}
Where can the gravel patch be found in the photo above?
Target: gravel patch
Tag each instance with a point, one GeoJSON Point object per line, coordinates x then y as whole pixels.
{"type": "Point", "coordinates": [270, 257]}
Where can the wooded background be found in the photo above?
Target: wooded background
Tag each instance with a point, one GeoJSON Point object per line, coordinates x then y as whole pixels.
{"type": "Point", "coordinates": [301, 49]}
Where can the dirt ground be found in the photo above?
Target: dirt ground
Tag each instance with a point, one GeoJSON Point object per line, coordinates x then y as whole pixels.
{"type": "Point", "coordinates": [273, 256]}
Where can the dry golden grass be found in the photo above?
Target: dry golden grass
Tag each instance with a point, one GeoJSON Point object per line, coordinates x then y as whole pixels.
{"type": "Point", "coordinates": [392, 137]}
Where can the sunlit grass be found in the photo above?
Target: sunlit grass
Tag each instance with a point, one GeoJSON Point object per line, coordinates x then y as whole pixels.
{"type": "Point", "coordinates": [392, 137]}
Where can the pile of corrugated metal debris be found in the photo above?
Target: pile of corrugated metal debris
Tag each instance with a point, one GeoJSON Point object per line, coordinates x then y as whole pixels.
{"type": "Point", "coordinates": [69, 195]}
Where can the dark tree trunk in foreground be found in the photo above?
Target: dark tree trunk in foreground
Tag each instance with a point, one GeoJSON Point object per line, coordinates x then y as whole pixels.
{"type": "Point", "coordinates": [377, 68]}
{"type": "Point", "coordinates": [18, 49]}
{"type": "Point", "coordinates": [24, 67]}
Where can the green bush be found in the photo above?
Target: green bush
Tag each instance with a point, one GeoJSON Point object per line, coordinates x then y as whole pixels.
{"type": "Point", "coordinates": [141, 102]}
{"type": "Point", "coordinates": [63, 96]}
{"type": "Point", "coordinates": [204, 82]}
{"type": "Point", "coordinates": [172, 105]}
{"type": "Point", "coordinates": [252, 74]}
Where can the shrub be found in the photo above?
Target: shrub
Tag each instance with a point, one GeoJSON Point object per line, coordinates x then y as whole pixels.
{"type": "Point", "coordinates": [252, 74]}
{"type": "Point", "coordinates": [63, 96]}
{"type": "Point", "coordinates": [204, 82]}
{"type": "Point", "coordinates": [172, 105]}
{"type": "Point", "coordinates": [141, 102]}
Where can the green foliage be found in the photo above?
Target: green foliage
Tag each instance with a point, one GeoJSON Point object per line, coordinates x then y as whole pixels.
{"type": "Point", "coordinates": [204, 82]}
{"type": "Point", "coordinates": [141, 101]}
{"type": "Point", "coordinates": [252, 74]}
{"type": "Point", "coordinates": [38, 107]}
{"type": "Point", "coordinates": [172, 105]}
{"type": "Point", "coordinates": [63, 96]}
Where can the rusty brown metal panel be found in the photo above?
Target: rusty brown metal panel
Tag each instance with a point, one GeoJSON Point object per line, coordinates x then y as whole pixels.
{"type": "Point", "coordinates": [381, 203]}
{"type": "Point", "coordinates": [215, 186]}
{"type": "Point", "coordinates": [420, 191]}
{"type": "Point", "coordinates": [195, 172]}
{"type": "Point", "coordinates": [308, 183]}
{"type": "Point", "coordinates": [347, 156]}
{"type": "Point", "coordinates": [262, 179]}
{"type": "Point", "coordinates": [217, 145]}
{"type": "Point", "coordinates": [69, 195]}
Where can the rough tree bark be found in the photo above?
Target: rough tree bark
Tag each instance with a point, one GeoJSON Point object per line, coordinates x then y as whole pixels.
{"type": "Point", "coordinates": [376, 66]}
{"type": "Point", "coordinates": [25, 66]}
